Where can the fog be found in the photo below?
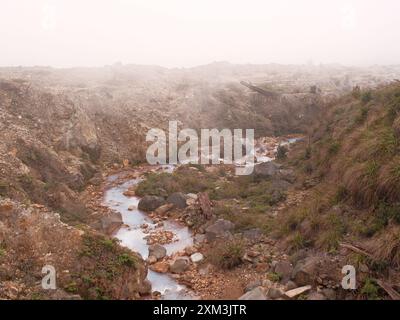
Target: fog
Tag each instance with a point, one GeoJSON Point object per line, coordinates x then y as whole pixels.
{"type": "Point", "coordinates": [184, 33]}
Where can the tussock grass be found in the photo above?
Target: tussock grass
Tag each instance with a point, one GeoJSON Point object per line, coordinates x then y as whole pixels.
{"type": "Point", "coordinates": [227, 254]}
{"type": "Point", "coordinates": [387, 247]}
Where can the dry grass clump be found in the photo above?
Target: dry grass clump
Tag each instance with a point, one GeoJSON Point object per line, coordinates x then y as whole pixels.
{"type": "Point", "coordinates": [227, 254]}
{"type": "Point", "coordinates": [360, 182]}
{"type": "Point", "coordinates": [388, 187]}
{"type": "Point", "coordinates": [387, 247]}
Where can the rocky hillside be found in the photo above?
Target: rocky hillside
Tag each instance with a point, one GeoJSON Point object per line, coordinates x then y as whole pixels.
{"type": "Point", "coordinates": [62, 130]}
{"type": "Point", "coordinates": [88, 265]}
{"type": "Point", "coordinates": [287, 231]}
{"type": "Point", "coordinates": [349, 170]}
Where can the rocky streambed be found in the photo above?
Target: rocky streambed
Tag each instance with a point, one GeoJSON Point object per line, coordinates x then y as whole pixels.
{"type": "Point", "coordinates": [135, 232]}
{"type": "Point", "coordinates": [138, 226]}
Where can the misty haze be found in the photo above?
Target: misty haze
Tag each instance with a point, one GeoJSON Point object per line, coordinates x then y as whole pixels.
{"type": "Point", "coordinates": [91, 90]}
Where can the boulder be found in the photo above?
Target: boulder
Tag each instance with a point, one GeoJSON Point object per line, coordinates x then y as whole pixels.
{"type": "Point", "coordinates": [305, 271]}
{"type": "Point", "coordinates": [266, 170]}
{"type": "Point", "coordinates": [180, 265]}
{"type": "Point", "coordinates": [157, 251]}
{"type": "Point", "coordinates": [178, 199]}
{"type": "Point", "coordinates": [252, 234]}
{"type": "Point", "coordinates": [284, 269]}
{"type": "Point", "coordinates": [197, 257]}
{"type": "Point", "coordinates": [164, 209]}
{"type": "Point", "coordinates": [290, 286]}
{"type": "Point", "coordinates": [219, 229]}
{"type": "Point", "coordinates": [151, 260]}
{"type": "Point", "coordinates": [255, 294]}
{"type": "Point", "coordinates": [275, 293]}
{"type": "Point", "coordinates": [111, 222]}
{"type": "Point", "coordinates": [160, 267]}
{"type": "Point", "coordinates": [287, 175]}
{"type": "Point", "coordinates": [150, 203]}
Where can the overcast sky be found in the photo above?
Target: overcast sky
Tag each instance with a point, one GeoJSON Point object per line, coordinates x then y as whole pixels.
{"type": "Point", "coordinates": [184, 33]}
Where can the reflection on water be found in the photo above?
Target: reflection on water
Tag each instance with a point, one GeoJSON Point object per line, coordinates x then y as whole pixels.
{"type": "Point", "coordinates": [132, 236]}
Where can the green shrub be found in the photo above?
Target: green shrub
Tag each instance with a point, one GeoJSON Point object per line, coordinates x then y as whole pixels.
{"type": "Point", "coordinates": [370, 290]}
{"type": "Point", "coordinates": [298, 241]}
{"type": "Point", "coordinates": [71, 287]}
{"type": "Point", "coordinates": [274, 276]}
{"type": "Point", "coordinates": [127, 260]}
{"type": "Point", "coordinates": [281, 152]}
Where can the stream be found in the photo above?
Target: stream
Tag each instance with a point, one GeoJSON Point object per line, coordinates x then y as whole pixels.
{"type": "Point", "coordinates": [131, 235]}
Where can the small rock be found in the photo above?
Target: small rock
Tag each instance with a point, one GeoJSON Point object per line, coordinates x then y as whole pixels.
{"type": "Point", "coordinates": [131, 208]}
{"type": "Point", "coordinates": [296, 292]}
{"type": "Point", "coordinates": [316, 296]}
{"type": "Point", "coordinates": [129, 193]}
{"type": "Point", "coordinates": [253, 285]}
{"type": "Point", "coordinates": [247, 258]}
{"type": "Point", "coordinates": [330, 294]}
{"type": "Point", "coordinates": [275, 293]}
{"type": "Point", "coordinates": [253, 254]}
{"type": "Point", "coordinates": [157, 251]}
{"type": "Point", "coordinates": [255, 294]}
{"type": "Point", "coordinates": [190, 250]}
{"type": "Point", "coordinates": [164, 209]}
{"type": "Point", "coordinates": [151, 260]}
{"type": "Point", "coordinates": [160, 267]}
{"type": "Point", "coordinates": [180, 265]}
{"type": "Point", "coordinates": [191, 196]}
{"type": "Point", "coordinates": [266, 283]}
{"type": "Point", "coordinates": [290, 286]}
{"type": "Point", "coordinates": [197, 257]}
